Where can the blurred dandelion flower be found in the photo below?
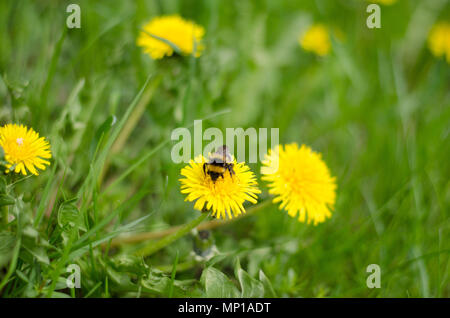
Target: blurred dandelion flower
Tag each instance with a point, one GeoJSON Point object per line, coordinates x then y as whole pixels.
{"type": "Point", "coordinates": [384, 2]}
{"type": "Point", "coordinates": [439, 40]}
{"type": "Point", "coordinates": [301, 181]}
{"type": "Point", "coordinates": [316, 39]}
{"type": "Point", "coordinates": [164, 35]}
{"type": "Point", "coordinates": [24, 149]}
{"type": "Point", "coordinates": [226, 195]}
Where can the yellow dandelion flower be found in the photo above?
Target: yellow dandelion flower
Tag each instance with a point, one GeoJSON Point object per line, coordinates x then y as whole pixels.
{"type": "Point", "coordinates": [384, 2]}
{"type": "Point", "coordinates": [226, 196]}
{"type": "Point", "coordinates": [316, 39]}
{"type": "Point", "coordinates": [439, 40]}
{"type": "Point", "coordinates": [301, 181]}
{"type": "Point", "coordinates": [24, 149]}
{"type": "Point", "coordinates": [185, 35]}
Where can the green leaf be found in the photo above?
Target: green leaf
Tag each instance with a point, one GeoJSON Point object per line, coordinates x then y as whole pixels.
{"type": "Point", "coordinates": [174, 272]}
{"type": "Point", "coordinates": [45, 197]}
{"type": "Point", "coordinates": [15, 88]}
{"type": "Point", "coordinates": [2, 181]}
{"type": "Point", "coordinates": [129, 264]}
{"type": "Point", "coordinates": [250, 287]}
{"type": "Point", "coordinates": [102, 131]}
{"type": "Point", "coordinates": [218, 258]}
{"type": "Point", "coordinates": [268, 289]}
{"type": "Point", "coordinates": [61, 283]}
{"type": "Point", "coordinates": [31, 232]}
{"type": "Point", "coordinates": [7, 243]}
{"type": "Point", "coordinates": [121, 279]}
{"type": "Point", "coordinates": [68, 214]}
{"type": "Point", "coordinates": [38, 253]}
{"type": "Point", "coordinates": [217, 284]}
{"type": "Point", "coordinates": [97, 165]}
{"type": "Point", "coordinates": [159, 283]}
{"type": "Point", "coordinates": [60, 295]}
{"type": "Point", "coordinates": [6, 200]}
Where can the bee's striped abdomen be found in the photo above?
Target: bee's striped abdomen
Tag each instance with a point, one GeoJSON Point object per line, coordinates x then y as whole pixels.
{"type": "Point", "coordinates": [217, 168]}
{"type": "Point", "coordinates": [218, 163]}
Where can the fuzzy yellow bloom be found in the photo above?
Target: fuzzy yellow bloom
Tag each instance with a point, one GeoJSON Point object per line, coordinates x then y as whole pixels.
{"type": "Point", "coordinates": [226, 196]}
{"type": "Point", "coordinates": [384, 2]}
{"type": "Point", "coordinates": [24, 149]}
{"type": "Point", "coordinates": [439, 40]}
{"type": "Point", "coordinates": [316, 39]}
{"type": "Point", "coordinates": [301, 181]}
{"type": "Point", "coordinates": [162, 33]}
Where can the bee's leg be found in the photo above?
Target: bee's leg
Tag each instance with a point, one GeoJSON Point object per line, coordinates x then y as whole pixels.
{"type": "Point", "coordinates": [204, 168]}
{"type": "Point", "coordinates": [230, 170]}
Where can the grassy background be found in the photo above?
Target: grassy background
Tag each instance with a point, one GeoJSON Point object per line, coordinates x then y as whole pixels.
{"type": "Point", "coordinates": [377, 109]}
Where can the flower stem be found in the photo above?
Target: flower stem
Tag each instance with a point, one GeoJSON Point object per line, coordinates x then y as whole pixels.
{"type": "Point", "coordinates": [139, 237]}
{"type": "Point", "coordinates": [5, 214]}
{"type": "Point", "coordinates": [153, 247]}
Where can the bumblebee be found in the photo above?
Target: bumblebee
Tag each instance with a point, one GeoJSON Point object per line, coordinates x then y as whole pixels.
{"type": "Point", "coordinates": [218, 164]}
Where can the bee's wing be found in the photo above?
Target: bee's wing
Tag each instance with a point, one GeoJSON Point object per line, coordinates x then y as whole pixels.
{"type": "Point", "coordinates": [224, 154]}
